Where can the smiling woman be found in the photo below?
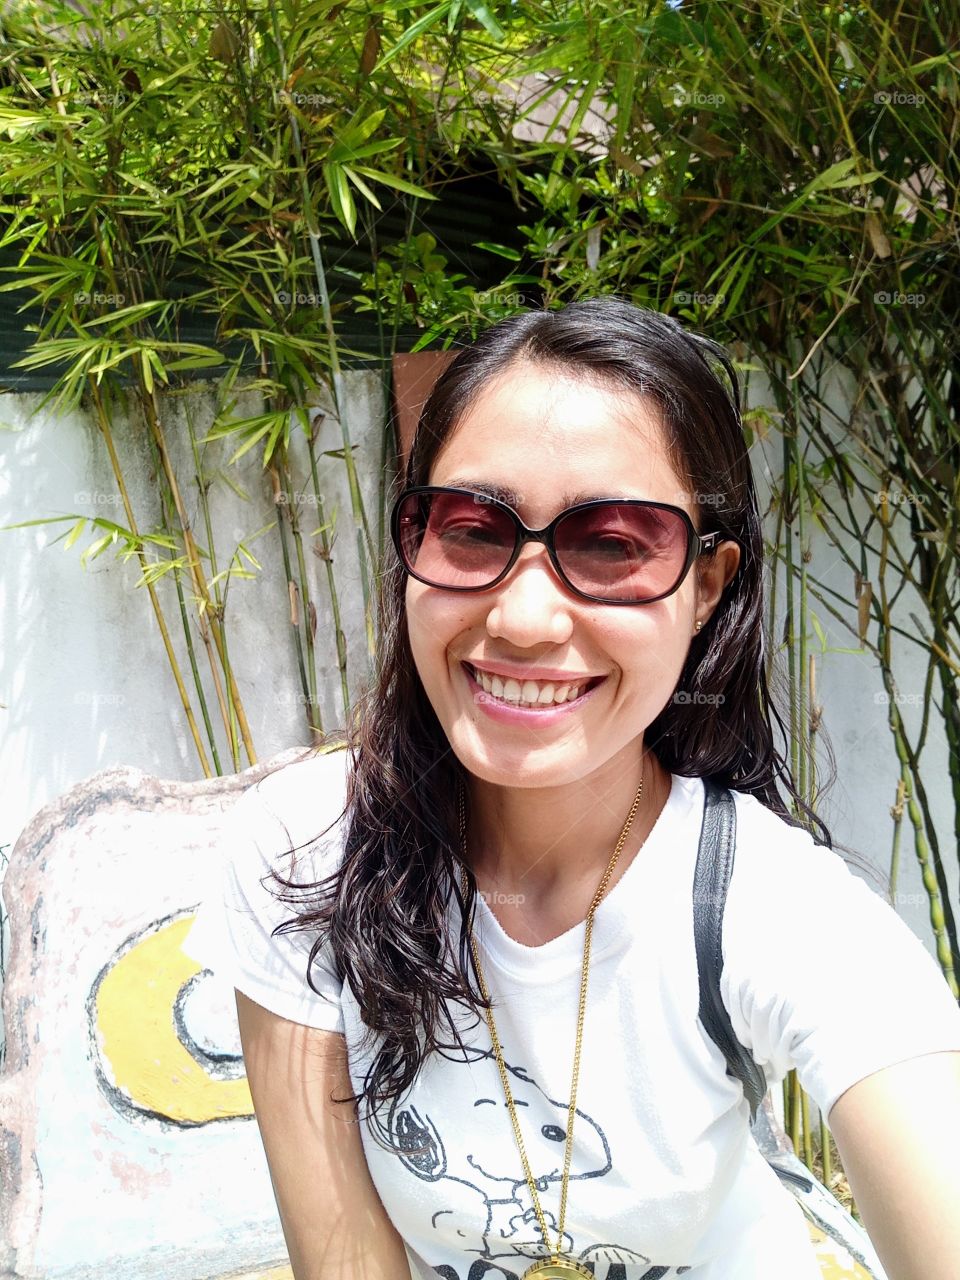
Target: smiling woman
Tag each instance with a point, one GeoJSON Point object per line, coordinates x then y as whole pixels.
{"type": "Point", "coordinates": [496, 942]}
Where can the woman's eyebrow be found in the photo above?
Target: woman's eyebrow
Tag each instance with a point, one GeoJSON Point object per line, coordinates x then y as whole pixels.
{"type": "Point", "coordinates": [513, 499]}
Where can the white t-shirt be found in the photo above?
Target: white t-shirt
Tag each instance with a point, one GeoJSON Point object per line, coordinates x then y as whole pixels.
{"type": "Point", "coordinates": [665, 1178]}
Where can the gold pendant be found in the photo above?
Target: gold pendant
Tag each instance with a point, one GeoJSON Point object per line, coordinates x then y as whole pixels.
{"type": "Point", "coordinates": [557, 1268]}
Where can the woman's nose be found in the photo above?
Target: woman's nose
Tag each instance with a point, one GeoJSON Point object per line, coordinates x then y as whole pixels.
{"type": "Point", "coordinates": [531, 602]}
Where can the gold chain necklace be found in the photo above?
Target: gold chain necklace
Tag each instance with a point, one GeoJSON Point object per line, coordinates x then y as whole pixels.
{"type": "Point", "coordinates": [558, 1266]}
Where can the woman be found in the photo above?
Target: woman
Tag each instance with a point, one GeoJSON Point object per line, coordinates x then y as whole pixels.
{"type": "Point", "coordinates": [519, 820]}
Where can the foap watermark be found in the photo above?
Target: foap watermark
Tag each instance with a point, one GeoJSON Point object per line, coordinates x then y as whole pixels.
{"type": "Point", "coordinates": [292, 698]}
{"type": "Point", "coordinates": [99, 299]}
{"type": "Point", "coordinates": [696, 98]}
{"type": "Point", "coordinates": [882, 699]}
{"type": "Point", "coordinates": [86, 498]}
{"type": "Point", "coordinates": [298, 499]}
{"type": "Point", "coordinates": [900, 497]}
{"type": "Point", "coordinates": [699, 499]}
{"type": "Point", "coordinates": [495, 897]}
{"type": "Point", "coordinates": [510, 497]}
{"type": "Point", "coordinates": [292, 98]}
{"type": "Point", "coordinates": [697, 698]}
{"type": "Point", "coordinates": [501, 298]}
{"type": "Point", "coordinates": [883, 298]}
{"type": "Point", "coordinates": [98, 98]}
{"type": "Point", "coordinates": [94, 698]}
{"type": "Point", "coordinates": [684, 299]}
{"type": "Point", "coordinates": [897, 98]}
{"type": "Point", "coordinates": [910, 899]}
{"type": "Point", "coordinates": [286, 299]}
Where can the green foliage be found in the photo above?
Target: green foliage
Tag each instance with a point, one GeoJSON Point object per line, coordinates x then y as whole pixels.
{"type": "Point", "coordinates": [413, 282]}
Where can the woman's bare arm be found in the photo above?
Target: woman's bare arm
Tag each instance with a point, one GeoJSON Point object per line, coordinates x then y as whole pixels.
{"type": "Point", "coordinates": [898, 1134]}
{"type": "Point", "coordinates": [334, 1223]}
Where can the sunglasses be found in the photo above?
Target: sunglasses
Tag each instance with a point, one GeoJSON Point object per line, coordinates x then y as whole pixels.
{"type": "Point", "coordinates": [614, 551]}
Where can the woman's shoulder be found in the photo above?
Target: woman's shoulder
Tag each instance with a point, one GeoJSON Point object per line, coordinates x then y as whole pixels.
{"type": "Point", "coordinates": [301, 798]}
{"type": "Point", "coordinates": [783, 861]}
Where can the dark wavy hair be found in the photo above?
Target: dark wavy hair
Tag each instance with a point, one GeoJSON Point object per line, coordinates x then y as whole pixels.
{"type": "Point", "coordinates": [383, 911]}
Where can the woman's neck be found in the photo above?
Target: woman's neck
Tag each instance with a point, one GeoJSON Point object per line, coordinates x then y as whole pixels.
{"type": "Point", "coordinates": [548, 847]}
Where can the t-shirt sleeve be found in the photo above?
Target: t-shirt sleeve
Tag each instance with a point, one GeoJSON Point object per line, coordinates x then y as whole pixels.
{"type": "Point", "coordinates": [820, 973]}
{"type": "Point", "coordinates": [231, 933]}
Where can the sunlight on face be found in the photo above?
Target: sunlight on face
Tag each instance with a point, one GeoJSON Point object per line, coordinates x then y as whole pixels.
{"type": "Point", "coordinates": [550, 439]}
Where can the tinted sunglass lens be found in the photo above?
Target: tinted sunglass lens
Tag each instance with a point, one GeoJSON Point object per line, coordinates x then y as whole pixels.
{"type": "Point", "coordinates": [455, 539]}
{"type": "Point", "coordinates": [622, 552]}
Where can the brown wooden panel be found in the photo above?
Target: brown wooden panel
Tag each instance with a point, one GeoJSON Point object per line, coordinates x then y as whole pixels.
{"type": "Point", "coordinates": [413, 379]}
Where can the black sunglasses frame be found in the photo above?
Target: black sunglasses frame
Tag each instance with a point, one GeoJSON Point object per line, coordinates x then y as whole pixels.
{"type": "Point", "coordinates": [697, 544]}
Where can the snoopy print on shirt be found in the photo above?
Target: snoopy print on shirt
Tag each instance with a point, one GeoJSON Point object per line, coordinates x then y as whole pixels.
{"type": "Point", "coordinates": [499, 1234]}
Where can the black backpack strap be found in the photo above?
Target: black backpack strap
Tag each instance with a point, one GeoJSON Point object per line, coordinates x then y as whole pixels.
{"type": "Point", "coordinates": [718, 842]}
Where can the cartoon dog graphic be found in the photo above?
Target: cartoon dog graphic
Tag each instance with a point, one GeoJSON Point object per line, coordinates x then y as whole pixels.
{"type": "Point", "coordinates": [500, 1226]}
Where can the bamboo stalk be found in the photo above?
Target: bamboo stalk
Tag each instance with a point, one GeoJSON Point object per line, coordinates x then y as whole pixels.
{"type": "Point", "coordinates": [280, 500]}
{"type": "Point", "coordinates": [106, 433]}
{"type": "Point", "coordinates": [802, 727]}
{"type": "Point", "coordinates": [896, 812]}
{"type": "Point", "coordinates": [104, 425]}
{"type": "Point", "coordinates": [316, 253]}
{"type": "Point", "coordinates": [922, 848]}
{"type": "Point", "coordinates": [191, 649]}
{"type": "Point", "coordinates": [325, 553]}
{"type": "Point", "coordinates": [202, 488]}
{"type": "Point", "coordinates": [311, 663]}
{"type": "Point", "coordinates": [208, 608]}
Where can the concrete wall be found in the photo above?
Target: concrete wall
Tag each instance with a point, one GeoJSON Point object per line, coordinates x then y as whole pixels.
{"type": "Point", "coordinates": [83, 676]}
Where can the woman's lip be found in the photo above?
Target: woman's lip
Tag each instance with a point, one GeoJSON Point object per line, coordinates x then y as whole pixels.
{"type": "Point", "coordinates": [512, 713]}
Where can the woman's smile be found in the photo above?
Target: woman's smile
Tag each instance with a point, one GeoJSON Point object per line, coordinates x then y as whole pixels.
{"type": "Point", "coordinates": [530, 702]}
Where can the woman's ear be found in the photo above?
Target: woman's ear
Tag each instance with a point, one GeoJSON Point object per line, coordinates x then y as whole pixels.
{"type": "Point", "coordinates": [715, 572]}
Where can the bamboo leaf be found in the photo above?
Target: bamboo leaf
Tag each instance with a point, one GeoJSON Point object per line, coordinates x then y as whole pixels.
{"type": "Point", "coordinates": [248, 556]}
{"type": "Point", "coordinates": [399, 184]}
{"type": "Point", "coordinates": [359, 130]}
{"type": "Point", "coordinates": [486, 19]}
{"type": "Point", "coordinates": [501, 250]}
{"type": "Point", "coordinates": [27, 524]}
{"type": "Point", "coordinates": [412, 33]}
{"type": "Point", "coordinates": [839, 176]}
{"type": "Point", "coordinates": [864, 598]}
{"type": "Point", "coordinates": [98, 547]}
{"type": "Point", "coordinates": [75, 533]}
{"type": "Point", "coordinates": [340, 198]}
{"type": "Point", "coordinates": [362, 187]}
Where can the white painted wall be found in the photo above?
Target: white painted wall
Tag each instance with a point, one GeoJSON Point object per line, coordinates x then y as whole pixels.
{"type": "Point", "coordinates": [84, 679]}
{"type": "Point", "coordinates": [850, 691]}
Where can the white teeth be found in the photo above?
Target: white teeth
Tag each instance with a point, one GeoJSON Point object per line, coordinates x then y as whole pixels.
{"type": "Point", "coordinates": [530, 693]}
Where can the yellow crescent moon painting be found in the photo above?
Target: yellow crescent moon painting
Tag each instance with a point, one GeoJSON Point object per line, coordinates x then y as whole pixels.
{"type": "Point", "coordinates": [148, 1060]}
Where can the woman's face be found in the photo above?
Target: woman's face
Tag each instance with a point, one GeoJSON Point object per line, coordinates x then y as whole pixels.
{"type": "Point", "coordinates": [547, 437]}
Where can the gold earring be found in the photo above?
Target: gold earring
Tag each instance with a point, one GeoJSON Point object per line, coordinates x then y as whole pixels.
{"type": "Point", "coordinates": [699, 625]}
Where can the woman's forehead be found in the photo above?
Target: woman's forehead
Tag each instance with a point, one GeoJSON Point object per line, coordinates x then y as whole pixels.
{"type": "Point", "coordinates": [514, 498]}
{"type": "Point", "coordinates": [504, 452]}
